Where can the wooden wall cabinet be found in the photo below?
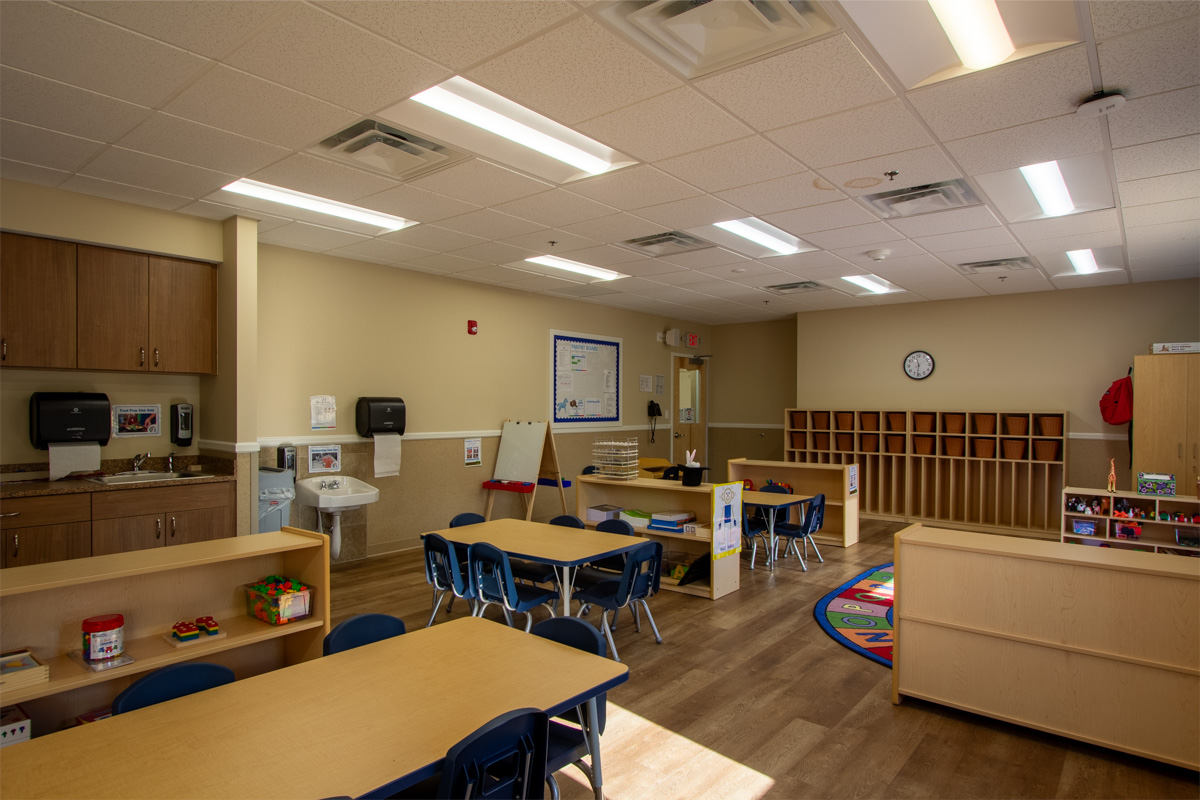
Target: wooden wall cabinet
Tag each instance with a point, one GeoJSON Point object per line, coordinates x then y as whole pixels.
{"type": "Point", "coordinates": [41, 607]}
{"type": "Point", "coordinates": [145, 313]}
{"type": "Point", "coordinates": [1097, 644]}
{"type": "Point", "coordinates": [172, 515]}
{"type": "Point", "coordinates": [37, 302]}
{"type": "Point", "coordinates": [38, 530]}
{"type": "Point", "coordinates": [838, 482]}
{"type": "Point", "coordinates": [654, 494]}
{"type": "Point", "coordinates": [1166, 417]}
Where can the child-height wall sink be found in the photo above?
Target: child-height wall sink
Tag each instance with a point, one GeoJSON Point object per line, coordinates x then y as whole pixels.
{"type": "Point", "coordinates": [333, 495]}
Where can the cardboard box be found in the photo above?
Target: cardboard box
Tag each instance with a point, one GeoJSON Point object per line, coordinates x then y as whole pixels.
{"type": "Point", "coordinates": [1156, 483]}
{"type": "Point", "coordinates": [14, 725]}
{"type": "Point", "coordinates": [1158, 348]}
{"type": "Point", "coordinates": [603, 512]}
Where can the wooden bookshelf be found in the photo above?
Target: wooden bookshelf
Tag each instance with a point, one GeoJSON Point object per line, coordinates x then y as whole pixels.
{"type": "Point", "coordinates": [1157, 535]}
{"type": "Point", "coordinates": [838, 482]}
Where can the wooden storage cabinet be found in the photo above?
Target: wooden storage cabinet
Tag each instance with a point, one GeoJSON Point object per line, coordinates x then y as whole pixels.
{"type": "Point", "coordinates": [838, 482]}
{"type": "Point", "coordinates": [1166, 417]}
{"type": "Point", "coordinates": [37, 302]}
{"type": "Point", "coordinates": [986, 470]}
{"type": "Point", "coordinates": [38, 530]}
{"type": "Point", "coordinates": [41, 607]}
{"type": "Point", "coordinates": [654, 494]}
{"type": "Point", "coordinates": [172, 515]}
{"type": "Point", "coordinates": [1158, 535]}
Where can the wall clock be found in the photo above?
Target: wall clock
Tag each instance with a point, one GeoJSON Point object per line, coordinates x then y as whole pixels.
{"type": "Point", "coordinates": [918, 365]}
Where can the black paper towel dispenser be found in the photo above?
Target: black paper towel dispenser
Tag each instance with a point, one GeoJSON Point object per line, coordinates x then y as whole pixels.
{"type": "Point", "coordinates": [379, 415]}
{"type": "Point", "coordinates": [56, 417]}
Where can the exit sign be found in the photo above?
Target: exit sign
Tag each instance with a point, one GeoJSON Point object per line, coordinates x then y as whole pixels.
{"type": "Point", "coordinates": [692, 339]}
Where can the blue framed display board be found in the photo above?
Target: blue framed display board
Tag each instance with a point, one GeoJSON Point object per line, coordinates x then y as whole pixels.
{"type": "Point", "coordinates": [587, 378]}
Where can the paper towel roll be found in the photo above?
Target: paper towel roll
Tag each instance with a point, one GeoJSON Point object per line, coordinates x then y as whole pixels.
{"type": "Point", "coordinates": [68, 457]}
{"type": "Point", "coordinates": [387, 454]}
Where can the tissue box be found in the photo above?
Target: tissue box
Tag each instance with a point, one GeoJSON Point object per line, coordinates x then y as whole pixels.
{"type": "Point", "coordinates": [1156, 483]}
{"type": "Point", "coordinates": [14, 725]}
{"type": "Point", "coordinates": [278, 601]}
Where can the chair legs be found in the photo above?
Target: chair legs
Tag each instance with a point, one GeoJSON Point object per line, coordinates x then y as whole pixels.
{"type": "Point", "coordinates": [437, 603]}
{"type": "Point", "coordinates": [808, 539]}
{"type": "Point", "coordinates": [649, 616]}
{"type": "Point", "coordinates": [792, 548]}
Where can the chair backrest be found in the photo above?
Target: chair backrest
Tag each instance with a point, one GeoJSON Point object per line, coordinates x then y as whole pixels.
{"type": "Point", "coordinates": [672, 474]}
{"type": "Point", "coordinates": [640, 578]}
{"type": "Point", "coordinates": [491, 574]}
{"type": "Point", "coordinates": [466, 518]}
{"type": "Point", "coordinates": [814, 518]}
{"type": "Point", "coordinates": [442, 566]}
{"type": "Point", "coordinates": [616, 526]}
{"type": "Point", "coordinates": [775, 488]}
{"type": "Point", "coordinates": [575, 632]}
{"type": "Point", "coordinates": [359, 630]}
{"type": "Point", "coordinates": [567, 521]}
{"type": "Point", "coordinates": [590, 469]}
{"type": "Point", "coordinates": [170, 682]}
{"type": "Point", "coordinates": [504, 758]}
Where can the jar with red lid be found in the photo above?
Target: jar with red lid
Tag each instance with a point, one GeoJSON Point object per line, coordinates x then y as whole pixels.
{"type": "Point", "coordinates": [103, 637]}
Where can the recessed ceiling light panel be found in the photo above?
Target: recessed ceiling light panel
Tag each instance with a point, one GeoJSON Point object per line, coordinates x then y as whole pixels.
{"type": "Point", "coordinates": [1085, 178]}
{"type": "Point", "coordinates": [871, 284]}
{"type": "Point", "coordinates": [752, 237]}
{"type": "Point", "coordinates": [975, 30]}
{"type": "Point", "coordinates": [599, 273]}
{"type": "Point", "coordinates": [290, 197]}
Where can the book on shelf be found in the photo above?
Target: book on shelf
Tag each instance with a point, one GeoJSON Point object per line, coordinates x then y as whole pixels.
{"type": "Point", "coordinates": [21, 668]}
{"type": "Point", "coordinates": [602, 512]}
{"type": "Point", "coordinates": [664, 525]}
{"type": "Point", "coordinates": [636, 517]}
{"type": "Point", "coordinates": [673, 516]}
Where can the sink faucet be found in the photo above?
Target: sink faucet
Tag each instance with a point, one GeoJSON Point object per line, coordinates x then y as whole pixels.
{"type": "Point", "coordinates": [138, 460]}
{"type": "Point", "coordinates": [171, 461]}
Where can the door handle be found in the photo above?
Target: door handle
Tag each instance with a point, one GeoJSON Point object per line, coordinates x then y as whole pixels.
{"type": "Point", "coordinates": [142, 357]}
{"type": "Point", "coordinates": [3, 349]}
{"type": "Point", "coordinates": [678, 435]}
{"type": "Point", "coordinates": [172, 527]}
{"type": "Point", "coordinates": [16, 544]}
{"type": "Point", "coordinates": [11, 514]}
{"type": "Point", "coordinates": [158, 528]}
{"type": "Point", "coordinates": [156, 356]}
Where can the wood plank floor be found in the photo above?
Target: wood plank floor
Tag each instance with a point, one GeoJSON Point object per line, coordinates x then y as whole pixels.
{"type": "Point", "coordinates": [748, 698]}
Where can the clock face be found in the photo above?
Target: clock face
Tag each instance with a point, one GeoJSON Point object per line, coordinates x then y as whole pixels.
{"type": "Point", "coordinates": [918, 365]}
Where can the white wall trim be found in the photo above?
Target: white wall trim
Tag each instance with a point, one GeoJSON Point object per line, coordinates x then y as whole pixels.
{"type": "Point", "coordinates": [1106, 437]}
{"type": "Point", "coordinates": [351, 438]}
{"type": "Point", "coordinates": [747, 425]}
{"type": "Point", "coordinates": [228, 447]}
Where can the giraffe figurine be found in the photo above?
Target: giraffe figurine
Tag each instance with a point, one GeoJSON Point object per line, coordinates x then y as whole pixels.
{"type": "Point", "coordinates": [1112, 475]}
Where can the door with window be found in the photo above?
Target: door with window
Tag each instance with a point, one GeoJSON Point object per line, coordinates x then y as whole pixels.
{"type": "Point", "coordinates": [691, 410]}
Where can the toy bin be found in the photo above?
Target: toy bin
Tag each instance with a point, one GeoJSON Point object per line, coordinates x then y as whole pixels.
{"type": "Point", "coordinates": [278, 601]}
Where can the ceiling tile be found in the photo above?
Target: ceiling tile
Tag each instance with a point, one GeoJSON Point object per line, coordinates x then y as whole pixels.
{"type": "Point", "coordinates": [492, 274]}
{"type": "Point", "coordinates": [1163, 116]}
{"type": "Point", "coordinates": [586, 290]}
{"type": "Point", "coordinates": [635, 187]}
{"type": "Point", "coordinates": [1158, 158]}
{"type": "Point", "coordinates": [481, 183]}
{"type": "Point", "coordinates": [809, 81]}
{"type": "Point", "coordinates": [675, 294]}
{"type": "Point", "coordinates": [1153, 60]}
{"type": "Point", "coordinates": [739, 271]}
{"type": "Point", "coordinates": [1029, 280]}
{"type": "Point", "coordinates": [913, 268]}
{"type": "Point", "coordinates": [380, 251]}
{"type": "Point", "coordinates": [801, 263]}
{"type": "Point", "coordinates": [973, 254]}
{"type": "Point", "coordinates": [1157, 190]}
{"type": "Point", "coordinates": [310, 237]}
{"type": "Point", "coordinates": [210, 28]}
{"type": "Point", "coordinates": [690, 213]}
{"type": "Point", "coordinates": [851, 237]}
{"type": "Point", "coordinates": [44, 147]}
{"type": "Point", "coordinates": [326, 57]}
{"type": "Point", "coordinates": [827, 216]}
{"type": "Point", "coordinates": [446, 263]}
{"type": "Point", "coordinates": [1162, 254]}
{"type": "Point", "coordinates": [241, 103]}
{"type": "Point", "coordinates": [574, 72]}
{"type": "Point", "coordinates": [706, 258]}
{"type": "Point", "coordinates": [916, 168]}
{"type": "Point", "coordinates": [952, 290]}
{"type": "Point", "coordinates": [133, 68]}
{"type": "Point", "coordinates": [902, 252]}
{"type": "Point", "coordinates": [31, 173]}
{"type": "Point", "coordinates": [540, 240]}
{"type": "Point", "coordinates": [540, 283]}
{"type": "Point", "coordinates": [605, 255]}
{"type": "Point", "coordinates": [1035, 88]}
{"type": "Point", "coordinates": [653, 268]}
{"type": "Point", "coordinates": [1180, 272]}
{"type": "Point", "coordinates": [497, 253]}
{"type": "Point", "coordinates": [1044, 140]}
{"type": "Point", "coordinates": [1158, 213]}
{"type": "Point", "coordinates": [1163, 234]}
{"type": "Point", "coordinates": [456, 34]}
{"type": "Point", "coordinates": [151, 172]}
{"type": "Point", "coordinates": [124, 193]}
{"type": "Point", "coordinates": [782, 194]}
{"type": "Point", "coordinates": [955, 220]}
{"type": "Point", "coordinates": [947, 242]}
{"type": "Point", "coordinates": [221, 212]}
{"type": "Point", "coordinates": [853, 135]}
{"type": "Point", "coordinates": [614, 228]}
{"type": "Point", "coordinates": [489, 224]}
{"type": "Point", "coordinates": [413, 203]}
{"type": "Point", "coordinates": [311, 175]}
{"type": "Point", "coordinates": [683, 277]}
{"type": "Point", "coordinates": [1109, 278]}
{"type": "Point", "coordinates": [200, 145]}
{"type": "Point", "coordinates": [838, 270]}
{"type": "Point", "coordinates": [57, 106]}
{"type": "Point", "coordinates": [732, 164]}
{"type": "Point", "coordinates": [1069, 225]}
{"type": "Point", "coordinates": [432, 237]}
{"type": "Point", "coordinates": [556, 207]}
{"type": "Point", "coordinates": [694, 122]}
{"type": "Point", "coordinates": [1112, 18]}
{"type": "Point", "coordinates": [1078, 241]}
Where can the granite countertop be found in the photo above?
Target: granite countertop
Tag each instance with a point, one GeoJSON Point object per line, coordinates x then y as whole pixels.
{"type": "Point", "coordinates": [42, 487]}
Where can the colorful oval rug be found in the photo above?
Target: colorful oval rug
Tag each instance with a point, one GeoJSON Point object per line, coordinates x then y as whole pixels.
{"type": "Point", "coordinates": [858, 614]}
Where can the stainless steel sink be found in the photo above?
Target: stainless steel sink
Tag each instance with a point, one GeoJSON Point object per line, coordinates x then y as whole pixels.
{"type": "Point", "coordinates": [146, 476]}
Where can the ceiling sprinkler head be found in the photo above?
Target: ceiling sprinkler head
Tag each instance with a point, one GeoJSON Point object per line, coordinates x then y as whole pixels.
{"type": "Point", "coordinates": [878, 255]}
{"type": "Point", "coordinates": [891, 174]}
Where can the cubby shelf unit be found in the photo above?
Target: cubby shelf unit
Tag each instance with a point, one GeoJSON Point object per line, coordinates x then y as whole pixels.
{"type": "Point", "coordinates": [981, 470]}
{"type": "Point", "coordinates": [1157, 535]}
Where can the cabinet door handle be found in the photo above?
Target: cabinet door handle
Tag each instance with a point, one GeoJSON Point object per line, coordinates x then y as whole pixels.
{"type": "Point", "coordinates": [11, 514]}
{"type": "Point", "coordinates": [142, 357]}
{"type": "Point", "coordinates": [156, 356]}
{"type": "Point", "coordinates": [158, 528]}
{"type": "Point", "coordinates": [16, 544]}
{"type": "Point", "coordinates": [172, 527]}
{"type": "Point", "coordinates": [3, 349]}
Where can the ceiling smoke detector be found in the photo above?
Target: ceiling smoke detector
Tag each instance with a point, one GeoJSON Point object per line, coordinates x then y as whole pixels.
{"type": "Point", "coordinates": [878, 255]}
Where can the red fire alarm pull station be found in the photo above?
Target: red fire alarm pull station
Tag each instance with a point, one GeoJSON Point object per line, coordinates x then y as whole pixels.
{"type": "Point", "coordinates": [472, 327]}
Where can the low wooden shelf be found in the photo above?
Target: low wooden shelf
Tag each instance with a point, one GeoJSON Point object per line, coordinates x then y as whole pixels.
{"type": "Point", "coordinates": [1158, 535]}
{"type": "Point", "coordinates": [838, 482]}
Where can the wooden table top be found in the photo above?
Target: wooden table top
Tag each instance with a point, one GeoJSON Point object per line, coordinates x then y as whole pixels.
{"type": "Point", "coordinates": [539, 541]}
{"type": "Point", "coordinates": [774, 499]}
{"type": "Point", "coordinates": [340, 725]}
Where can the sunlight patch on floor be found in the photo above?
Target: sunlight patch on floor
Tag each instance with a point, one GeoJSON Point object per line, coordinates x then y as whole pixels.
{"type": "Point", "coordinates": [643, 759]}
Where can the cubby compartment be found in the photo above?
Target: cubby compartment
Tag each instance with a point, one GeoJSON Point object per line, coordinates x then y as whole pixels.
{"type": "Point", "coordinates": [953, 422]}
{"type": "Point", "coordinates": [868, 442]}
{"type": "Point", "coordinates": [820, 420]}
{"type": "Point", "coordinates": [923, 445]}
{"type": "Point", "coordinates": [797, 419]}
{"type": "Point", "coordinates": [798, 441]}
{"type": "Point", "coordinates": [897, 421]}
{"type": "Point", "coordinates": [983, 447]}
{"type": "Point", "coordinates": [845, 441]}
{"type": "Point", "coordinates": [923, 421]}
{"type": "Point", "coordinates": [845, 420]}
{"type": "Point", "coordinates": [1046, 449]}
{"type": "Point", "coordinates": [983, 424]}
{"type": "Point", "coordinates": [1049, 424]}
{"type": "Point", "coordinates": [1016, 424]}
{"type": "Point", "coordinates": [895, 443]}
{"type": "Point", "coordinates": [954, 446]}
{"type": "Point", "coordinates": [868, 420]}
{"type": "Point", "coordinates": [820, 440]}
{"type": "Point", "coordinates": [1013, 449]}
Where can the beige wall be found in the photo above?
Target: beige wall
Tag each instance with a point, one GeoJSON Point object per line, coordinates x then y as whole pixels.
{"type": "Point", "coordinates": [753, 370]}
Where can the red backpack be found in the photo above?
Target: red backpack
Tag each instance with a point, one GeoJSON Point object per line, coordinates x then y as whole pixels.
{"type": "Point", "coordinates": [1116, 407]}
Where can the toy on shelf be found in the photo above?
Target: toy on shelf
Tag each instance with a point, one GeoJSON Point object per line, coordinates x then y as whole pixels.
{"type": "Point", "coordinates": [185, 631]}
{"type": "Point", "coordinates": [786, 486]}
{"type": "Point", "coordinates": [277, 600]}
{"type": "Point", "coordinates": [208, 625]}
{"type": "Point", "coordinates": [1112, 475]}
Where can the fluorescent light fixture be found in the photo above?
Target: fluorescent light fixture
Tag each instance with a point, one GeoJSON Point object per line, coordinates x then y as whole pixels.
{"type": "Point", "coordinates": [1084, 261]}
{"type": "Point", "coordinates": [459, 98]}
{"type": "Point", "coordinates": [575, 266]}
{"type": "Point", "coordinates": [277, 194]}
{"type": "Point", "coordinates": [1048, 187]}
{"type": "Point", "coordinates": [867, 282]}
{"type": "Point", "coordinates": [976, 31]}
{"type": "Point", "coordinates": [739, 227]}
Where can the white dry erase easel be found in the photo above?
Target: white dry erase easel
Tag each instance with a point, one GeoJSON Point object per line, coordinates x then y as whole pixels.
{"type": "Point", "coordinates": [527, 458]}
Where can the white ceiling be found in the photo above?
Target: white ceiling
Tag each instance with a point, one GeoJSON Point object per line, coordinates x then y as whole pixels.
{"type": "Point", "coordinates": [163, 103]}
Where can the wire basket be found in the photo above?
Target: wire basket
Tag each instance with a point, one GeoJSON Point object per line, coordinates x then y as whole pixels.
{"type": "Point", "coordinates": [616, 459]}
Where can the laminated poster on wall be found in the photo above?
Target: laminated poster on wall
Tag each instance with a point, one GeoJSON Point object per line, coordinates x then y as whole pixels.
{"type": "Point", "coordinates": [472, 453]}
{"type": "Point", "coordinates": [136, 420]}
{"type": "Point", "coordinates": [727, 519]}
{"type": "Point", "coordinates": [323, 411]}
{"type": "Point", "coordinates": [325, 458]}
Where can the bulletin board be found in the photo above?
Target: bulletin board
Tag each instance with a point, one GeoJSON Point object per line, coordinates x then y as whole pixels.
{"type": "Point", "coordinates": [586, 372]}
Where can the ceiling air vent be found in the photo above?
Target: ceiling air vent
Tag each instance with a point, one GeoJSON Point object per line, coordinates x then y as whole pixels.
{"type": "Point", "coordinates": [995, 266]}
{"type": "Point", "coordinates": [389, 151]}
{"type": "Point", "coordinates": [666, 244]}
{"type": "Point", "coordinates": [925, 199]}
{"type": "Point", "coordinates": [696, 37]}
{"type": "Point", "coordinates": [799, 287]}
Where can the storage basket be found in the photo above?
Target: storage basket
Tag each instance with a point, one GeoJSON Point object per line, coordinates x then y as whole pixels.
{"type": "Point", "coordinates": [897, 420]}
{"type": "Point", "coordinates": [953, 445]}
{"type": "Point", "coordinates": [869, 420]}
{"type": "Point", "coordinates": [923, 445]}
{"type": "Point", "coordinates": [845, 420]}
{"type": "Point", "coordinates": [845, 441]}
{"type": "Point", "coordinates": [821, 420]}
{"type": "Point", "coordinates": [984, 423]}
{"type": "Point", "coordinates": [1045, 450]}
{"type": "Point", "coordinates": [869, 442]}
{"type": "Point", "coordinates": [1013, 449]}
{"type": "Point", "coordinates": [983, 448]}
{"type": "Point", "coordinates": [1050, 425]}
{"type": "Point", "coordinates": [798, 442]}
{"type": "Point", "coordinates": [1016, 424]}
{"type": "Point", "coordinates": [923, 423]}
{"type": "Point", "coordinates": [278, 606]}
{"type": "Point", "coordinates": [895, 443]}
{"type": "Point", "coordinates": [820, 441]}
{"type": "Point", "coordinates": [954, 423]}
